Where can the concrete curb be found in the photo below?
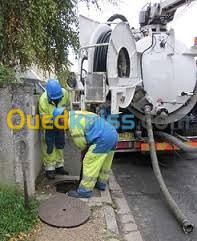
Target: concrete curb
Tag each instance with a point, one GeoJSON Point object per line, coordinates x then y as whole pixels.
{"type": "Point", "coordinates": [110, 215]}
{"type": "Point", "coordinates": [105, 202]}
{"type": "Point", "coordinates": [125, 218]}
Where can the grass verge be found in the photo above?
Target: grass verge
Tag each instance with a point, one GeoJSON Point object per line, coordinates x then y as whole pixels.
{"type": "Point", "coordinates": [13, 216]}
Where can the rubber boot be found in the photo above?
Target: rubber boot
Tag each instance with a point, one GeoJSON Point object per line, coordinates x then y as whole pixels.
{"type": "Point", "coordinates": [61, 171]}
{"type": "Point", "coordinates": [50, 175]}
{"type": "Point", "coordinates": [100, 186]}
{"type": "Point", "coordinates": [80, 193]}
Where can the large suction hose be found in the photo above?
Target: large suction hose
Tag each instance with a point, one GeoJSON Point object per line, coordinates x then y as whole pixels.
{"type": "Point", "coordinates": [174, 140]}
{"type": "Point", "coordinates": [186, 225]}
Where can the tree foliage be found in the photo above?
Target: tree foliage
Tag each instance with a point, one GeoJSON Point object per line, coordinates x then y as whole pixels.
{"type": "Point", "coordinates": [98, 3]}
{"type": "Point", "coordinates": [7, 75]}
{"type": "Point", "coordinates": [39, 32]}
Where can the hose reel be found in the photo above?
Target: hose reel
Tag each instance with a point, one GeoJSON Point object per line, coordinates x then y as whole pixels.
{"type": "Point", "coordinates": [117, 61]}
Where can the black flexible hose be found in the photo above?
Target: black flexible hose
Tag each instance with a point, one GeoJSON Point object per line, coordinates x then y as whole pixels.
{"type": "Point", "coordinates": [100, 55]}
{"type": "Point", "coordinates": [117, 16]}
{"type": "Point", "coordinates": [186, 225]}
{"type": "Point", "coordinates": [82, 62]}
{"type": "Point", "coordinates": [174, 140]}
{"type": "Point", "coordinates": [142, 55]}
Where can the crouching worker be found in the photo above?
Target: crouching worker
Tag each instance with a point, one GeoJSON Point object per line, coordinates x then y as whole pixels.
{"type": "Point", "coordinates": [52, 139]}
{"type": "Point", "coordinates": [89, 130]}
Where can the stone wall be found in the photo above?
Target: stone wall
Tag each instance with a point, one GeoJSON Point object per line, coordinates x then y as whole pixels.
{"type": "Point", "coordinates": [7, 154]}
{"type": "Point", "coordinates": [19, 147]}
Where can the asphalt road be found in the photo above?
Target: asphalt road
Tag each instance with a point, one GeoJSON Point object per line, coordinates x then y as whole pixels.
{"type": "Point", "coordinates": [155, 222]}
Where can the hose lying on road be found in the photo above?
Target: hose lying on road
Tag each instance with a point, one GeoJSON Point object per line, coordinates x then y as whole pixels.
{"type": "Point", "coordinates": [174, 140]}
{"type": "Point", "coordinates": [186, 225]}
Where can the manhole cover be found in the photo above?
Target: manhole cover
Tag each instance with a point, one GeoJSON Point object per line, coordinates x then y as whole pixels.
{"type": "Point", "coordinates": [64, 212]}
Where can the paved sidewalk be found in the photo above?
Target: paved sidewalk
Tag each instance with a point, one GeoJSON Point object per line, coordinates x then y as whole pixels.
{"type": "Point", "coordinates": [111, 218]}
{"type": "Point", "coordinates": [102, 225]}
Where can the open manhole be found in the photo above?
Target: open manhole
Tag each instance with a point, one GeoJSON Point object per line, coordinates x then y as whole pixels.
{"type": "Point", "coordinates": [66, 186]}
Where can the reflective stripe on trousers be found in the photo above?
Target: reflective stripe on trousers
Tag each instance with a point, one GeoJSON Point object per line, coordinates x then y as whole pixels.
{"type": "Point", "coordinates": [53, 160]}
{"type": "Point", "coordinates": [96, 166]}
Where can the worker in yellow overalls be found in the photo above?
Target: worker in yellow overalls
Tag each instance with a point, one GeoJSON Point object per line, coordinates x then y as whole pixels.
{"type": "Point", "coordinates": [89, 130]}
{"type": "Point", "coordinates": [53, 158]}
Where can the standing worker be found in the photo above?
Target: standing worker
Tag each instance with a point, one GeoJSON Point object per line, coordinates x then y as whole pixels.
{"type": "Point", "coordinates": [88, 130]}
{"type": "Point", "coordinates": [52, 154]}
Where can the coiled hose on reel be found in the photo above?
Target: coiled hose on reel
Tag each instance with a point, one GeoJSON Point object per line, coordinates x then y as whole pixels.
{"type": "Point", "coordinates": [100, 55]}
{"type": "Point", "coordinates": [184, 222]}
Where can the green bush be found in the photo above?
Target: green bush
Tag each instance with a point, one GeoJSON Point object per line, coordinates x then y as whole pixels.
{"type": "Point", "coordinates": [13, 216]}
{"type": "Point", "coordinates": [7, 75]}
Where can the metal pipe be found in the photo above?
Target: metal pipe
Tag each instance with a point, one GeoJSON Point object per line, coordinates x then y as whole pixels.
{"type": "Point", "coordinates": [94, 46]}
{"type": "Point", "coordinates": [186, 225]}
{"type": "Point", "coordinates": [174, 140]}
{"type": "Point", "coordinates": [114, 23]}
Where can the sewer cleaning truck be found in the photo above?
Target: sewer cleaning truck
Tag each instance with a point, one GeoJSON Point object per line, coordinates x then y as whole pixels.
{"type": "Point", "coordinates": [145, 79]}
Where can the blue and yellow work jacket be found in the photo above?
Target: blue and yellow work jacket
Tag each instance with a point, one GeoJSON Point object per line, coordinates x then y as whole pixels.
{"type": "Point", "coordinates": [87, 128]}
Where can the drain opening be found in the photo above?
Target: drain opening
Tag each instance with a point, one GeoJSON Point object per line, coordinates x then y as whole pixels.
{"type": "Point", "coordinates": [66, 186]}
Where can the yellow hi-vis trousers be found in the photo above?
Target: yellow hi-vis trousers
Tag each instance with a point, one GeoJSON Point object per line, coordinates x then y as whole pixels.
{"type": "Point", "coordinates": [96, 167]}
{"type": "Point", "coordinates": [53, 160]}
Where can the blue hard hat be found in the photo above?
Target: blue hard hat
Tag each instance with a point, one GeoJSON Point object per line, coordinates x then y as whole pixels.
{"type": "Point", "coordinates": [58, 111]}
{"type": "Point", "coordinates": [54, 89]}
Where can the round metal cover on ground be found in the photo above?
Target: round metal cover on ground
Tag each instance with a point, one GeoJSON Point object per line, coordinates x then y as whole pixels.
{"type": "Point", "coordinates": [64, 212]}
